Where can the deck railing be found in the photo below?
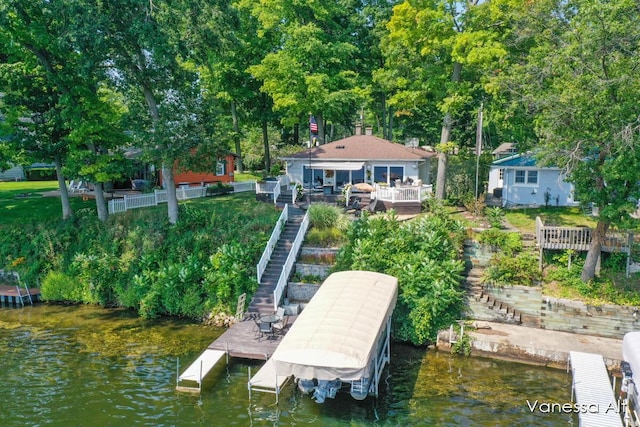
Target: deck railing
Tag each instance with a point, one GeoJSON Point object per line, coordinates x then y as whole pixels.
{"type": "Point", "coordinates": [401, 194]}
{"type": "Point", "coordinates": [291, 259]}
{"type": "Point", "coordinates": [579, 238]}
{"type": "Point", "coordinates": [269, 187]}
{"type": "Point", "coordinates": [271, 244]}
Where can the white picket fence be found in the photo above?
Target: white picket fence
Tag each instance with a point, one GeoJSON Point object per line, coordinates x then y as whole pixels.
{"type": "Point", "coordinates": [160, 196]}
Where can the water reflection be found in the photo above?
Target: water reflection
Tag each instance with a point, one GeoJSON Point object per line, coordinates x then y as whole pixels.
{"type": "Point", "coordinates": [88, 366]}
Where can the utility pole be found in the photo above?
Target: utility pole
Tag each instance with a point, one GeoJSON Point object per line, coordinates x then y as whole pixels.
{"type": "Point", "coordinates": [478, 146]}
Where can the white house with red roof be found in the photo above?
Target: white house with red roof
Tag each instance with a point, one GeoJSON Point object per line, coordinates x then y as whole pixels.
{"type": "Point", "coordinates": [359, 159]}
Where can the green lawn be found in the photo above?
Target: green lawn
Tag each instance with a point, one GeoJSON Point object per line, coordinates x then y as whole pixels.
{"type": "Point", "coordinates": [22, 202]}
{"type": "Point", "coordinates": [525, 219]}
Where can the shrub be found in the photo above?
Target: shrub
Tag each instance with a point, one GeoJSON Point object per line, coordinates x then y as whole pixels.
{"type": "Point", "coordinates": [324, 215]}
{"type": "Point", "coordinates": [505, 269]}
{"type": "Point", "coordinates": [495, 216]}
{"type": "Point", "coordinates": [60, 287]}
{"type": "Point", "coordinates": [507, 242]}
{"type": "Point", "coordinates": [324, 237]}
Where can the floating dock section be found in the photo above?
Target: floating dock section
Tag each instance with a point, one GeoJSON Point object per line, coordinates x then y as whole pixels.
{"type": "Point", "coordinates": [199, 369]}
{"type": "Point", "coordinates": [266, 380]}
{"type": "Point", "coordinates": [595, 401]}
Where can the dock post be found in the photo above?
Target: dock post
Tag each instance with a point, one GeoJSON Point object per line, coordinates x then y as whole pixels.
{"type": "Point", "coordinates": [177, 371]}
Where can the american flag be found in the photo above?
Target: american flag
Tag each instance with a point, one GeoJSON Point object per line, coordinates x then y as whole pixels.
{"type": "Point", "coordinates": [313, 126]}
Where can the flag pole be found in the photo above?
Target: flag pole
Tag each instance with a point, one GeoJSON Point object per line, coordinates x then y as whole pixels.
{"type": "Point", "coordinates": [478, 147]}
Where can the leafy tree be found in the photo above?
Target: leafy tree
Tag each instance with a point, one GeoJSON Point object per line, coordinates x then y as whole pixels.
{"type": "Point", "coordinates": [61, 94]}
{"type": "Point", "coordinates": [577, 76]}
{"type": "Point", "coordinates": [438, 54]}
{"type": "Point", "coordinates": [311, 68]}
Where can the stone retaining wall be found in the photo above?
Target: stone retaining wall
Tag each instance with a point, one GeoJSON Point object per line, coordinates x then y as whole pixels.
{"type": "Point", "coordinates": [558, 314]}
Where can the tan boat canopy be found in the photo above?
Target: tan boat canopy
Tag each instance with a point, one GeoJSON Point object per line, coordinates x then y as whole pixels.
{"type": "Point", "coordinates": [338, 333]}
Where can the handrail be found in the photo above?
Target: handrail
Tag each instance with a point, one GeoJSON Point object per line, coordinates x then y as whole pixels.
{"type": "Point", "coordinates": [291, 259]}
{"type": "Point", "coordinates": [273, 241]}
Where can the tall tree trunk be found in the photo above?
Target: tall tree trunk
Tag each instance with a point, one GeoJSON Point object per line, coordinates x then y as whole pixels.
{"type": "Point", "coordinates": [167, 166]}
{"type": "Point", "coordinates": [441, 178]}
{"type": "Point", "coordinates": [236, 136]}
{"type": "Point", "coordinates": [101, 205]}
{"type": "Point", "coordinates": [591, 263]}
{"type": "Point", "coordinates": [296, 134]}
{"type": "Point", "coordinates": [265, 142]}
{"type": "Point", "coordinates": [321, 134]}
{"type": "Point", "coordinates": [64, 194]}
{"type": "Point", "coordinates": [170, 186]}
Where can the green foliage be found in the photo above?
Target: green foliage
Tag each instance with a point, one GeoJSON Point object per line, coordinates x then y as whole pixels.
{"type": "Point", "coordinates": [324, 237]}
{"type": "Point", "coordinates": [57, 286]}
{"type": "Point", "coordinates": [424, 255]}
{"type": "Point", "coordinates": [506, 241]}
{"type": "Point", "coordinates": [495, 216]}
{"type": "Point", "coordinates": [462, 346]}
{"type": "Point", "coordinates": [138, 260]}
{"type": "Point", "coordinates": [507, 269]}
{"type": "Point", "coordinates": [324, 215]}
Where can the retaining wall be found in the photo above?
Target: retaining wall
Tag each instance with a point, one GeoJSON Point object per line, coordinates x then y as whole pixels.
{"type": "Point", "coordinates": [559, 314]}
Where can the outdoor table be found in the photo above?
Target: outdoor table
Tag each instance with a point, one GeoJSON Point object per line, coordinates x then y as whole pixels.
{"type": "Point", "coordinates": [270, 319]}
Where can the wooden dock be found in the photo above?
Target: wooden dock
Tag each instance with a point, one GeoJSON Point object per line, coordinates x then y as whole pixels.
{"type": "Point", "coordinates": [242, 340]}
{"type": "Point", "coordinates": [9, 295]}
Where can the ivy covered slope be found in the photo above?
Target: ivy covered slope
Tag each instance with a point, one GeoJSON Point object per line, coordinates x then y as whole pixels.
{"type": "Point", "coordinates": [139, 260]}
{"type": "Point", "coordinates": [425, 255]}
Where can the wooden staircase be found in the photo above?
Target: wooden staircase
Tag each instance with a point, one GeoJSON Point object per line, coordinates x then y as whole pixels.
{"type": "Point", "coordinates": [262, 301]}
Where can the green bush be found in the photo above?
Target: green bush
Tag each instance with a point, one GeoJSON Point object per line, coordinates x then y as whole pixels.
{"type": "Point", "coordinates": [59, 287]}
{"type": "Point", "coordinates": [424, 254]}
{"type": "Point", "coordinates": [507, 242]}
{"type": "Point", "coordinates": [506, 269]}
{"type": "Point", "coordinates": [495, 216]}
{"type": "Point", "coordinates": [324, 237]}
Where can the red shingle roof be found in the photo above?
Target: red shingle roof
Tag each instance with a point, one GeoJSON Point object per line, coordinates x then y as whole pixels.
{"type": "Point", "coordinates": [363, 148]}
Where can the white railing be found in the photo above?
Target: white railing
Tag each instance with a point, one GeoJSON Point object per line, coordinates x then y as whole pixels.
{"type": "Point", "coordinates": [152, 199]}
{"type": "Point", "coordinates": [291, 259]}
{"type": "Point", "coordinates": [269, 187]}
{"type": "Point", "coordinates": [240, 187]}
{"type": "Point", "coordinates": [271, 244]}
{"type": "Point", "coordinates": [402, 194]}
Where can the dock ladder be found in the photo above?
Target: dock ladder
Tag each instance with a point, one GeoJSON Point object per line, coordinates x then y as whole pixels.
{"type": "Point", "coordinates": [23, 290]}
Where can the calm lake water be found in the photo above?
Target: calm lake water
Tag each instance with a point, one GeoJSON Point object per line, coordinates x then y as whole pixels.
{"type": "Point", "coordinates": [87, 366]}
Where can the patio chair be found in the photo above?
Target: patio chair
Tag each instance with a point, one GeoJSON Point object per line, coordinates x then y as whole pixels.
{"type": "Point", "coordinates": [281, 326]}
{"type": "Point", "coordinates": [265, 328]}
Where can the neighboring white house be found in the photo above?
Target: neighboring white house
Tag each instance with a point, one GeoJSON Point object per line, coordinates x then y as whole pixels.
{"type": "Point", "coordinates": [519, 181]}
{"type": "Point", "coordinates": [15, 173]}
{"type": "Point", "coordinates": [358, 159]}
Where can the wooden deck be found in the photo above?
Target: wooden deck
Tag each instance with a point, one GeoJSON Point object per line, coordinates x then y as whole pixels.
{"type": "Point", "coordinates": [579, 238]}
{"type": "Point", "coordinates": [241, 340]}
{"type": "Point", "coordinates": [9, 295]}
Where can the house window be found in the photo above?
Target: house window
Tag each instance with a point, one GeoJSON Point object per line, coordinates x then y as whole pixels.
{"type": "Point", "coordinates": [220, 167]}
{"type": "Point", "coordinates": [388, 174]}
{"type": "Point", "coordinates": [526, 177]}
